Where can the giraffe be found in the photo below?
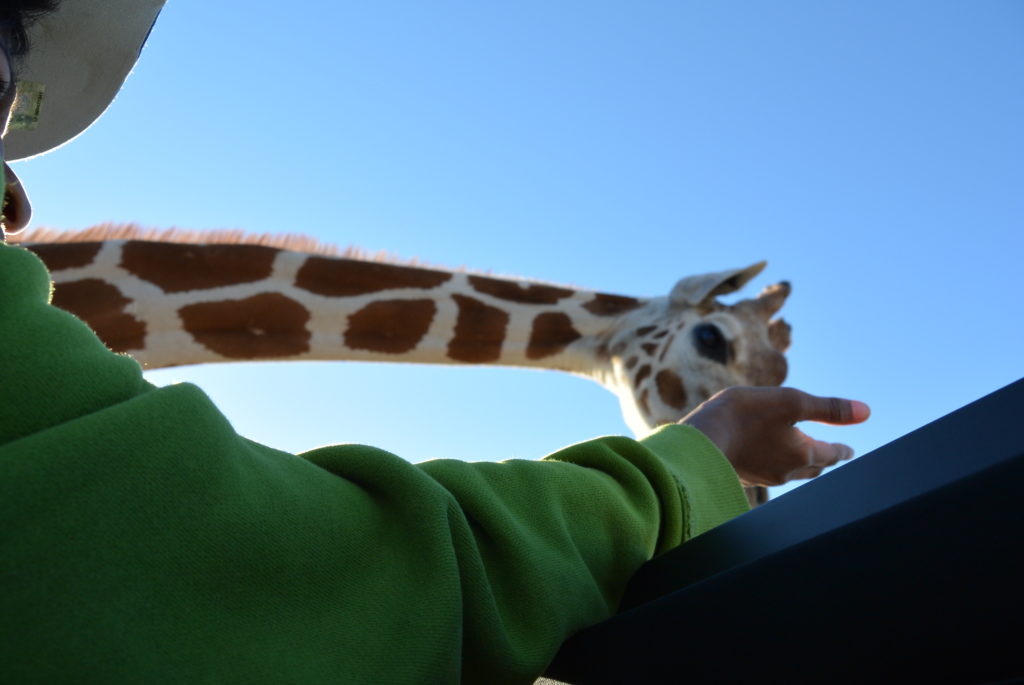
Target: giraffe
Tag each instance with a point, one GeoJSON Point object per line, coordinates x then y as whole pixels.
{"type": "Point", "coordinates": [176, 298]}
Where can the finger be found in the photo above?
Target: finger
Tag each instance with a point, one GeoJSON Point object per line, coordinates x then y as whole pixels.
{"type": "Point", "coordinates": [832, 410]}
{"type": "Point", "coordinates": [830, 454]}
{"type": "Point", "coordinates": [805, 473]}
{"type": "Point", "coordinates": [822, 456]}
{"type": "Point", "coordinates": [794, 405]}
{"type": "Point", "coordinates": [825, 454]}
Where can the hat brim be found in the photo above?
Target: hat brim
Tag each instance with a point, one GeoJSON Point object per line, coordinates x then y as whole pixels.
{"type": "Point", "coordinates": [79, 57]}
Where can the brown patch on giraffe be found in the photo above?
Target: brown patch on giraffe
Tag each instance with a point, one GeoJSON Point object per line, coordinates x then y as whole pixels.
{"type": "Point", "coordinates": [513, 292]}
{"type": "Point", "coordinates": [644, 330]}
{"type": "Point", "coordinates": [390, 326]}
{"type": "Point", "coordinates": [670, 389]}
{"type": "Point", "coordinates": [667, 347]}
{"type": "Point", "coordinates": [178, 268]}
{"type": "Point", "coordinates": [61, 256]}
{"type": "Point", "coordinates": [631, 362]}
{"type": "Point", "coordinates": [552, 332]}
{"type": "Point", "coordinates": [643, 373]}
{"type": "Point", "coordinates": [659, 335]}
{"type": "Point", "coordinates": [347, 277]}
{"type": "Point", "coordinates": [611, 305]}
{"type": "Point", "coordinates": [264, 326]}
{"type": "Point", "coordinates": [101, 305]}
{"type": "Point", "coordinates": [479, 331]}
{"type": "Point", "coordinates": [649, 348]}
{"type": "Point", "coordinates": [644, 405]}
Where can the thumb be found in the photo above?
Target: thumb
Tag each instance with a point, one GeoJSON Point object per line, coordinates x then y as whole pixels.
{"type": "Point", "coordinates": [832, 410]}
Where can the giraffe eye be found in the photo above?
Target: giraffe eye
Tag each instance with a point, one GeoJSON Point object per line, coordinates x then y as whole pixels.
{"type": "Point", "coordinates": [710, 343]}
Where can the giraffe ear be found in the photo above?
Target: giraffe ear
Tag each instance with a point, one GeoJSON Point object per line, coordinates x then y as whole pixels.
{"type": "Point", "coordinates": [696, 290]}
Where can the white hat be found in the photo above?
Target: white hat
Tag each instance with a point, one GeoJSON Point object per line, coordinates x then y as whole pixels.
{"type": "Point", "coordinates": [79, 55]}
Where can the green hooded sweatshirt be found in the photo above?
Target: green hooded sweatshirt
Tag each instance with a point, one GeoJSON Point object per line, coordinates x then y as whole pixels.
{"type": "Point", "coordinates": [142, 540]}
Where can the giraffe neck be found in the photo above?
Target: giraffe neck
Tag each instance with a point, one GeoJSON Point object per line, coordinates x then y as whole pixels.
{"type": "Point", "coordinates": [171, 304]}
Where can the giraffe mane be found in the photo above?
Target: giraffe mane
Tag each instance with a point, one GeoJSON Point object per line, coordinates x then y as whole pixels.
{"type": "Point", "coordinates": [293, 242]}
{"type": "Point", "coordinates": [131, 231]}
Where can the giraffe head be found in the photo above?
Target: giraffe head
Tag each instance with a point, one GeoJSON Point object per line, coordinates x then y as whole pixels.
{"type": "Point", "coordinates": [677, 351]}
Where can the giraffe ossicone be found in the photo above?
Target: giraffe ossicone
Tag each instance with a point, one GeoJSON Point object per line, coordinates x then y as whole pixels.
{"type": "Point", "coordinates": [172, 299]}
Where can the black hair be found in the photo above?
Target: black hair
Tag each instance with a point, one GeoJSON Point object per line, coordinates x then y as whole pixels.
{"type": "Point", "coordinates": [15, 18]}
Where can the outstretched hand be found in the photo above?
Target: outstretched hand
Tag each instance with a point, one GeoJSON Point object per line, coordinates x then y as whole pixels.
{"type": "Point", "coordinates": [754, 428]}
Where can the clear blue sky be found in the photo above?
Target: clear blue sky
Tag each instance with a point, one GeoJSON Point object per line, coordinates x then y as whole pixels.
{"type": "Point", "coordinates": [872, 152]}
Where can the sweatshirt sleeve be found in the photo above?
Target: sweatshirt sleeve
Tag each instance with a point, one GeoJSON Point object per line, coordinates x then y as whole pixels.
{"type": "Point", "coordinates": [143, 540]}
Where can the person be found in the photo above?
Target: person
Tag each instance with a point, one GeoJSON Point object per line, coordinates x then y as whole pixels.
{"type": "Point", "coordinates": [143, 540]}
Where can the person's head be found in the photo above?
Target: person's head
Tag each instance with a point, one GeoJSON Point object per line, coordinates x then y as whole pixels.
{"type": "Point", "coordinates": [15, 18]}
{"type": "Point", "coordinates": [68, 59]}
